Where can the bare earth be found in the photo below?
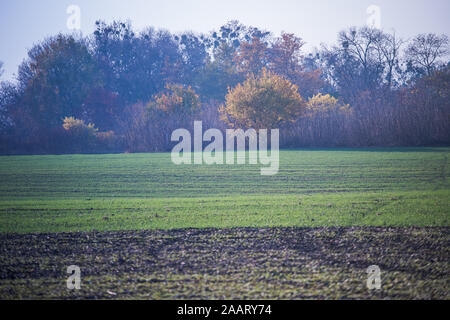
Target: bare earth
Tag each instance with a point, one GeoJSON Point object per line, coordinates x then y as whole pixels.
{"type": "Point", "coordinates": [237, 263]}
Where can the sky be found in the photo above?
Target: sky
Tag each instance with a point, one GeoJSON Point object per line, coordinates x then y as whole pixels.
{"type": "Point", "coordinates": [26, 22]}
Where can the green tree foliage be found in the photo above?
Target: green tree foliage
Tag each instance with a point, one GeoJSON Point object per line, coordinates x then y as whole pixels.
{"type": "Point", "coordinates": [136, 66]}
{"type": "Point", "coordinates": [54, 81]}
{"type": "Point", "coordinates": [9, 96]}
{"type": "Point", "coordinates": [219, 74]}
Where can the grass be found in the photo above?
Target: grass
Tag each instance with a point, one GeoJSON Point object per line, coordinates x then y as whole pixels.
{"type": "Point", "coordinates": [354, 187]}
{"type": "Point", "coordinates": [309, 210]}
{"type": "Point", "coordinates": [141, 227]}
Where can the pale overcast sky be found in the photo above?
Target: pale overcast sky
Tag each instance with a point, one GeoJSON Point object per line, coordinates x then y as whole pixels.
{"type": "Point", "coordinates": [25, 22]}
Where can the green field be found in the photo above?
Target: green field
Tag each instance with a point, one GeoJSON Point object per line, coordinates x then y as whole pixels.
{"type": "Point", "coordinates": [142, 227]}
{"type": "Point", "coordinates": [361, 187]}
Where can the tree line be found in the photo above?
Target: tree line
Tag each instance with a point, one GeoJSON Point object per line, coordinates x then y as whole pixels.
{"type": "Point", "coordinates": [121, 91]}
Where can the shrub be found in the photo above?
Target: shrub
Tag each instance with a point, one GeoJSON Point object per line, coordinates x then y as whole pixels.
{"type": "Point", "coordinates": [107, 141]}
{"type": "Point", "coordinates": [77, 127]}
{"type": "Point", "coordinates": [81, 137]}
{"type": "Point", "coordinates": [324, 105]}
{"type": "Point", "coordinates": [326, 122]}
{"type": "Point", "coordinates": [149, 126]}
{"type": "Point", "coordinates": [176, 99]}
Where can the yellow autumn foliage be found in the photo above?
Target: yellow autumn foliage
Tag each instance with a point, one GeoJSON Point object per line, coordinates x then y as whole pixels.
{"type": "Point", "coordinates": [176, 99]}
{"type": "Point", "coordinates": [263, 101]}
{"type": "Point", "coordinates": [323, 105]}
{"type": "Point", "coordinates": [78, 126]}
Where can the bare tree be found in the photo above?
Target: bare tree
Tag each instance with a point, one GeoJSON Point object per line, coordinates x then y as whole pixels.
{"type": "Point", "coordinates": [362, 44]}
{"type": "Point", "coordinates": [425, 51]}
{"type": "Point", "coordinates": [389, 46]}
{"type": "Point", "coordinates": [1, 68]}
